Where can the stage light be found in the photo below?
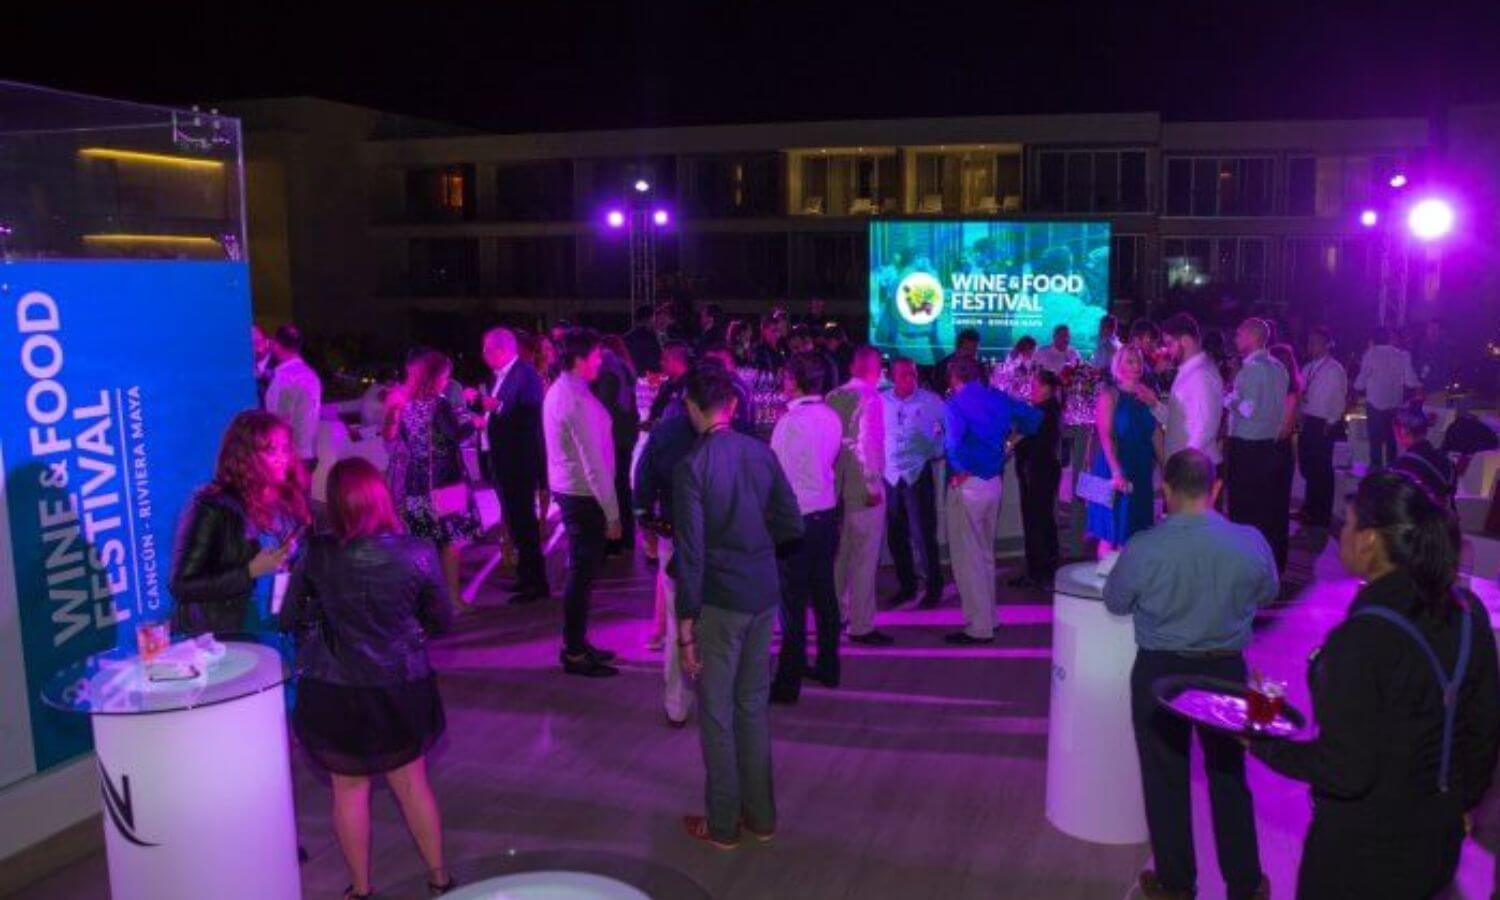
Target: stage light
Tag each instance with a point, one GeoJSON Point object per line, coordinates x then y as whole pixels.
{"type": "Point", "coordinates": [615, 219]}
{"type": "Point", "coordinates": [1430, 219]}
{"type": "Point", "coordinates": [1398, 180]}
{"type": "Point", "coordinates": [1369, 218]}
{"type": "Point", "coordinates": [642, 186]}
{"type": "Point", "coordinates": [660, 217]}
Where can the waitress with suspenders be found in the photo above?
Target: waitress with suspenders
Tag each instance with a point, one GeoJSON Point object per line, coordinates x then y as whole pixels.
{"type": "Point", "coordinates": [1407, 699]}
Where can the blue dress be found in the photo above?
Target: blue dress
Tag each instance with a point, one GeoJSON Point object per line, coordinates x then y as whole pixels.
{"type": "Point", "coordinates": [1134, 427]}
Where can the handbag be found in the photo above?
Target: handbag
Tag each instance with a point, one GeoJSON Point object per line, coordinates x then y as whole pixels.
{"type": "Point", "coordinates": [449, 500]}
{"type": "Point", "coordinates": [1095, 489]}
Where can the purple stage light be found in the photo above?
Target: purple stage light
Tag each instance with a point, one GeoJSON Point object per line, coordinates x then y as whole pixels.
{"type": "Point", "coordinates": [1369, 218]}
{"type": "Point", "coordinates": [660, 217]}
{"type": "Point", "coordinates": [1398, 180]}
{"type": "Point", "coordinates": [615, 219]}
{"type": "Point", "coordinates": [1430, 219]}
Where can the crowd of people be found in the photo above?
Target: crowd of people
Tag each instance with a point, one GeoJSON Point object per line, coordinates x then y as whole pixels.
{"type": "Point", "coordinates": [860, 455]}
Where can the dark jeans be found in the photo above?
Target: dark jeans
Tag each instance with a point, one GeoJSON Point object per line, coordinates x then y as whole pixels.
{"type": "Point", "coordinates": [518, 506]}
{"type": "Point", "coordinates": [1315, 456]}
{"type": "Point", "coordinates": [733, 707]}
{"type": "Point", "coordinates": [1255, 478]}
{"type": "Point", "coordinates": [807, 580]}
{"type": "Point", "coordinates": [1039, 482]}
{"type": "Point", "coordinates": [1382, 434]}
{"type": "Point", "coordinates": [911, 509]}
{"type": "Point", "coordinates": [583, 519]}
{"type": "Point", "coordinates": [1162, 740]}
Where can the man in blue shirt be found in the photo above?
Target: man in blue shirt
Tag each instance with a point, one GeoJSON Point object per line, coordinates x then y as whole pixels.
{"type": "Point", "coordinates": [732, 506]}
{"type": "Point", "coordinates": [913, 442]}
{"type": "Point", "coordinates": [1259, 492]}
{"type": "Point", "coordinates": [977, 423]}
{"type": "Point", "coordinates": [1193, 584]}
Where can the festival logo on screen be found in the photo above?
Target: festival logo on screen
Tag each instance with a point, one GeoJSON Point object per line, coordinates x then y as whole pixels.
{"type": "Point", "coordinates": [919, 298]}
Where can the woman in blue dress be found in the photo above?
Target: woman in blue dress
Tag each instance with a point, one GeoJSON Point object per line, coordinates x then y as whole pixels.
{"type": "Point", "coordinates": [1125, 452]}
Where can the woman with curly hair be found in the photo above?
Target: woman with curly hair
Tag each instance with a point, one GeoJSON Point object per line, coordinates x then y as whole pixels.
{"type": "Point", "coordinates": [239, 529]}
{"type": "Point", "coordinates": [424, 431]}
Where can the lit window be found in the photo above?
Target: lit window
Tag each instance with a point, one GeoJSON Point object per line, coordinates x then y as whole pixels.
{"type": "Point", "coordinates": [453, 190]}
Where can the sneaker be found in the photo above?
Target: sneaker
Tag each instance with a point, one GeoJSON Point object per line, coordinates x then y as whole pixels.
{"type": "Point", "coordinates": [697, 829]}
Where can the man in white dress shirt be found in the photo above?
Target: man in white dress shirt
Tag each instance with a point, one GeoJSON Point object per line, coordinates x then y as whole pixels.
{"type": "Point", "coordinates": [1057, 355]}
{"type": "Point", "coordinates": [1325, 394]}
{"type": "Point", "coordinates": [581, 475]}
{"type": "Point", "coordinates": [1193, 410]}
{"type": "Point", "coordinates": [1385, 374]}
{"type": "Point", "coordinates": [1109, 343]}
{"type": "Point", "coordinates": [295, 394]}
{"type": "Point", "coordinates": [807, 441]}
{"type": "Point", "coordinates": [861, 474]}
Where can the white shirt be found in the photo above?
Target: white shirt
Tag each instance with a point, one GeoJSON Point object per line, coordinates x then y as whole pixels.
{"type": "Point", "coordinates": [1106, 353]}
{"type": "Point", "coordinates": [1327, 389]}
{"type": "Point", "coordinates": [1384, 374]}
{"type": "Point", "coordinates": [806, 441]}
{"type": "Point", "coordinates": [580, 444]}
{"type": "Point", "coordinates": [1193, 409]}
{"type": "Point", "coordinates": [1055, 360]}
{"type": "Point", "coordinates": [296, 395]}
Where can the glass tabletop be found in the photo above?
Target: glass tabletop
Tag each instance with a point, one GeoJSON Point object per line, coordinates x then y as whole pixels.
{"type": "Point", "coordinates": [191, 673]}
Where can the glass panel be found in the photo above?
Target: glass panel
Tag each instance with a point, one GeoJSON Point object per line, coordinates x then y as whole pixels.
{"type": "Point", "coordinates": [1229, 188]}
{"type": "Point", "coordinates": [1051, 178]}
{"type": "Point", "coordinates": [1255, 188]}
{"type": "Point", "coordinates": [1205, 187]}
{"type": "Point", "coordinates": [1133, 182]}
{"type": "Point", "coordinates": [1179, 187]}
{"type": "Point", "coordinates": [1080, 183]}
{"type": "Point", "coordinates": [1106, 181]}
{"type": "Point", "coordinates": [1301, 186]}
{"type": "Point", "coordinates": [1008, 177]}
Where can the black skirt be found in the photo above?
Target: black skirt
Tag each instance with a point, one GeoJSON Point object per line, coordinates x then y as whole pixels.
{"type": "Point", "coordinates": [367, 730]}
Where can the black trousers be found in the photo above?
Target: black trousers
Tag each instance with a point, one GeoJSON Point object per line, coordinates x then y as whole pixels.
{"type": "Point", "coordinates": [1315, 456]}
{"type": "Point", "coordinates": [623, 496]}
{"type": "Point", "coordinates": [807, 580]}
{"type": "Point", "coordinates": [911, 510]}
{"type": "Point", "coordinates": [1341, 863]}
{"type": "Point", "coordinates": [583, 520]}
{"type": "Point", "coordinates": [1381, 429]}
{"type": "Point", "coordinates": [1162, 741]}
{"type": "Point", "coordinates": [1255, 478]}
{"type": "Point", "coordinates": [518, 506]}
{"type": "Point", "coordinates": [1039, 481]}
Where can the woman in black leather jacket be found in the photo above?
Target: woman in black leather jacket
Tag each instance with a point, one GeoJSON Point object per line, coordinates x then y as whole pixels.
{"type": "Point", "coordinates": [362, 603]}
{"type": "Point", "coordinates": [1392, 781]}
{"type": "Point", "coordinates": [239, 530]}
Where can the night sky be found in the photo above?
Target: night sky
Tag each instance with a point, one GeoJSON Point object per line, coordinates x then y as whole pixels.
{"type": "Point", "coordinates": [516, 65]}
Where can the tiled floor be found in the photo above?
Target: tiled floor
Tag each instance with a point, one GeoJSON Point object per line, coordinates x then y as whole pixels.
{"type": "Point", "coordinates": [922, 777]}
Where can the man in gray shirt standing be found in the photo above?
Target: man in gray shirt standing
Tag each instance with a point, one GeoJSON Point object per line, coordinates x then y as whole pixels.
{"type": "Point", "coordinates": [732, 506]}
{"type": "Point", "coordinates": [1193, 584]}
{"type": "Point", "coordinates": [1255, 409]}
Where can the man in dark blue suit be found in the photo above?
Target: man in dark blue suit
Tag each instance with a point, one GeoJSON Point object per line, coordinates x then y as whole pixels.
{"type": "Point", "coordinates": [515, 454]}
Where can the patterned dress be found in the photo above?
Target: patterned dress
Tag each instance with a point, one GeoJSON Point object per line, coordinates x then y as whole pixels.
{"type": "Point", "coordinates": [425, 455]}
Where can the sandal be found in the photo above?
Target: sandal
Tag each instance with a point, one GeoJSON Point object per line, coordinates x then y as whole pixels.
{"type": "Point", "coordinates": [349, 894]}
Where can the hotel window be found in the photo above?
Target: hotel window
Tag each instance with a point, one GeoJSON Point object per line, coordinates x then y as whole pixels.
{"type": "Point", "coordinates": [1336, 186]}
{"type": "Point", "coordinates": [845, 182]}
{"type": "Point", "coordinates": [1211, 186]}
{"type": "Point", "coordinates": [1080, 181]}
{"type": "Point", "coordinates": [536, 267]}
{"type": "Point", "coordinates": [443, 194]}
{"type": "Point", "coordinates": [444, 267]}
{"type": "Point", "coordinates": [539, 191]}
{"type": "Point", "coordinates": [1238, 263]}
{"type": "Point", "coordinates": [720, 186]}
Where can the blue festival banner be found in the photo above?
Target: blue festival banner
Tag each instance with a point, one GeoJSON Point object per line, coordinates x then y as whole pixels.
{"type": "Point", "coordinates": [116, 380]}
